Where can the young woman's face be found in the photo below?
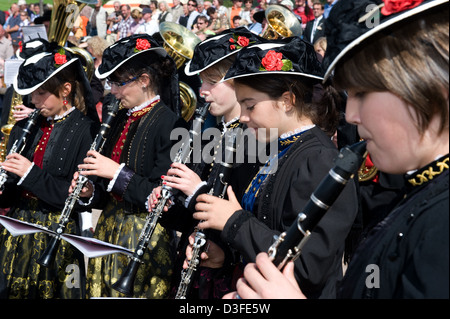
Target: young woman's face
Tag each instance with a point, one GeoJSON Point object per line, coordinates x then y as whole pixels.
{"type": "Point", "coordinates": [222, 97]}
{"type": "Point", "coordinates": [387, 123]}
{"type": "Point", "coordinates": [259, 111]}
{"type": "Point", "coordinates": [48, 103]}
{"type": "Point", "coordinates": [129, 92]}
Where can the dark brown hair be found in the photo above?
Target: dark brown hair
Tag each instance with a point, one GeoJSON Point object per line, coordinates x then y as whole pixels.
{"type": "Point", "coordinates": [55, 84]}
{"type": "Point", "coordinates": [319, 105]}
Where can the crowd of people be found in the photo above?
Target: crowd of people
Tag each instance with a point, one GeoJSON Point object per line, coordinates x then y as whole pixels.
{"type": "Point", "coordinates": [372, 70]}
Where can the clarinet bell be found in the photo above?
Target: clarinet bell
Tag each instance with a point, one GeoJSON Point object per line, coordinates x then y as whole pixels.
{"type": "Point", "coordinates": [48, 257]}
{"type": "Point", "coordinates": [125, 284]}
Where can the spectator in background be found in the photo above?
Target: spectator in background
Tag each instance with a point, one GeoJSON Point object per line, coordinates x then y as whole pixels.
{"type": "Point", "coordinates": [320, 46]}
{"type": "Point", "coordinates": [115, 17]}
{"type": "Point", "coordinates": [235, 11]}
{"type": "Point", "coordinates": [315, 28]}
{"type": "Point", "coordinates": [192, 13]}
{"type": "Point", "coordinates": [304, 11]}
{"type": "Point", "coordinates": [123, 27]}
{"type": "Point", "coordinates": [237, 21]}
{"type": "Point", "coordinates": [246, 12]}
{"type": "Point", "coordinates": [36, 12]}
{"type": "Point", "coordinates": [255, 26]}
{"type": "Point", "coordinates": [95, 46]}
{"type": "Point", "coordinates": [23, 6]}
{"type": "Point", "coordinates": [201, 28]}
{"type": "Point", "coordinates": [221, 9]}
{"type": "Point", "coordinates": [155, 11]}
{"type": "Point", "coordinates": [25, 21]}
{"type": "Point", "coordinates": [6, 51]}
{"type": "Point", "coordinates": [217, 24]}
{"type": "Point", "coordinates": [149, 26]}
{"type": "Point", "coordinates": [136, 15]}
{"type": "Point", "coordinates": [166, 12]}
{"type": "Point", "coordinates": [98, 20]}
{"type": "Point", "coordinates": [328, 7]}
{"type": "Point", "coordinates": [177, 10]}
{"type": "Point", "coordinates": [13, 25]}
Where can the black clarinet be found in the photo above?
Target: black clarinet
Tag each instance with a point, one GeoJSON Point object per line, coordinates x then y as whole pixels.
{"type": "Point", "coordinates": [47, 258]}
{"type": "Point", "coordinates": [289, 244]}
{"type": "Point", "coordinates": [218, 189]}
{"type": "Point", "coordinates": [125, 284]}
{"type": "Point", "coordinates": [20, 143]}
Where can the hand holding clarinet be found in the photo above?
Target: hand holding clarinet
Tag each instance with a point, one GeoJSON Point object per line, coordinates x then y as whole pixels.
{"type": "Point", "coordinates": [272, 274]}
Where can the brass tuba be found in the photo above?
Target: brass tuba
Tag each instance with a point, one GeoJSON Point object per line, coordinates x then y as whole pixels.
{"type": "Point", "coordinates": [6, 129]}
{"type": "Point", "coordinates": [281, 23]}
{"type": "Point", "coordinates": [64, 15]}
{"type": "Point", "coordinates": [179, 43]}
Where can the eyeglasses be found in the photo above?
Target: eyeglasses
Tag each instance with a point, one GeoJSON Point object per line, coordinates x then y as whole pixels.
{"type": "Point", "coordinates": [192, 4]}
{"type": "Point", "coordinates": [120, 84]}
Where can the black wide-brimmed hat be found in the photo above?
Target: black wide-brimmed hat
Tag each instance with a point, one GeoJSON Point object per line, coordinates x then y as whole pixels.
{"type": "Point", "coordinates": [42, 61]}
{"type": "Point", "coordinates": [215, 49]}
{"type": "Point", "coordinates": [294, 57]}
{"type": "Point", "coordinates": [125, 49]}
{"type": "Point", "coordinates": [352, 22]}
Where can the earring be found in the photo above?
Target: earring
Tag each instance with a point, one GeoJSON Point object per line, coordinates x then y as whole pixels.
{"type": "Point", "coordinates": [65, 102]}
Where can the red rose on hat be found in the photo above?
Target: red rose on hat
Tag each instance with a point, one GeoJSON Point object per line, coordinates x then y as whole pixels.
{"type": "Point", "coordinates": [394, 6]}
{"type": "Point", "coordinates": [243, 41]}
{"type": "Point", "coordinates": [142, 44]}
{"type": "Point", "coordinates": [240, 41]}
{"type": "Point", "coordinates": [60, 59]}
{"type": "Point", "coordinates": [272, 61]}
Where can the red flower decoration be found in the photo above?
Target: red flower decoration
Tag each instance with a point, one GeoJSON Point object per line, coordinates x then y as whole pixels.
{"type": "Point", "coordinates": [272, 61]}
{"type": "Point", "coordinates": [142, 44]}
{"type": "Point", "coordinates": [60, 59]}
{"type": "Point", "coordinates": [243, 41]}
{"type": "Point", "coordinates": [394, 6]}
{"type": "Point", "coordinates": [240, 42]}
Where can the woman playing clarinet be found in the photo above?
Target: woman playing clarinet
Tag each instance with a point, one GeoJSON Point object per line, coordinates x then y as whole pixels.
{"type": "Point", "coordinates": [396, 74]}
{"type": "Point", "coordinates": [276, 87]}
{"type": "Point", "coordinates": [40, 176]}
{"type": "Point", "coordinates": [211, 60]}
{"type": "Point", "coordinates": [136, 154]}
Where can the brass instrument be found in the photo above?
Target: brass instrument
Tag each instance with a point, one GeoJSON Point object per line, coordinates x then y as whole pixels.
{"type": "Point", "coordinates": [281, 23]}
{"type": "Point", "coordinates": [64, 14]}
{"type": "Point", "coordinates": [6, 129]}
{"type": "Point", "coordinates": [179, 43]}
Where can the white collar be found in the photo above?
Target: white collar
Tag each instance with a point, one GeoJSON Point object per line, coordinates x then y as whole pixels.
{"type": "Point", "coordinates": [143, 105]}
{"type": "Point", "coordinates": [58, 117]}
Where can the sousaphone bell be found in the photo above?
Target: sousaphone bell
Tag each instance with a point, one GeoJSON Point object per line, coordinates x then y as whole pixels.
{"type": "Point", "coordinates": [179, 43]}
{"type": "Point", "coordinates": [281, 23]}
